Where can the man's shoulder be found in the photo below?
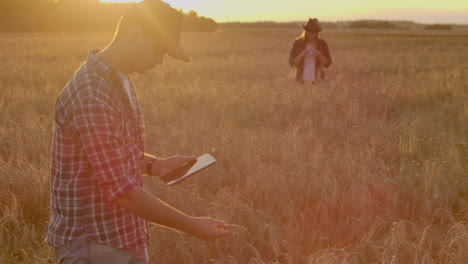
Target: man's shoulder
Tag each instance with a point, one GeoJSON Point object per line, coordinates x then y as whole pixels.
{"type": "Point", "coordinates": [87, 83]}
{"type": "Point", "coordinates": [87, 78]}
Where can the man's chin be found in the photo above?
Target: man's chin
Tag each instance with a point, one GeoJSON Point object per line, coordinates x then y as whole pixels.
{"type": "Point", "coordinates": [146, 69]}
{"type": "Point", "coordinates": [142, 71]}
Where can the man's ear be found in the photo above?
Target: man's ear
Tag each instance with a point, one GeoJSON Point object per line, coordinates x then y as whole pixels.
{"type": "Point", "coordinates": [133, 32]}
{"type": "Point", "coordinates": [130, 30]}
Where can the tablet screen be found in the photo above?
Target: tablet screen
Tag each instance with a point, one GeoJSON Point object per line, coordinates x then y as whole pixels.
{"type": "Point", "coordinates": [188, 169]}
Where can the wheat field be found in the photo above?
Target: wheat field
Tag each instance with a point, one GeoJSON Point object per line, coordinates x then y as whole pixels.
{"type": "Point", "coordinates": [368, 167]}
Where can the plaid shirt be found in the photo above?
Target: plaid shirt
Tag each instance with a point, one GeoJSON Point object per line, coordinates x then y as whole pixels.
{"type": "Point", "coordinates": [97, 154]}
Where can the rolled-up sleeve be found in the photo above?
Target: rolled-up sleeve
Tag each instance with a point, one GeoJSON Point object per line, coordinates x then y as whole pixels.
{"type": "Point", "coordinates": [98, 124]}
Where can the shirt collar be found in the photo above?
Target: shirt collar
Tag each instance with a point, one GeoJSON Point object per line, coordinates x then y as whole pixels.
{"type": "Point", "coordinates": [99, 65]}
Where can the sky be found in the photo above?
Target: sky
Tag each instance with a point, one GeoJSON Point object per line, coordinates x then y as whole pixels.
{"type": "Point", "coordinates": [423, 11]}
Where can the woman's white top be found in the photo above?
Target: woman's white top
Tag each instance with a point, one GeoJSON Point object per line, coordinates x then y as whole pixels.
{"type": "Point", "coordinates": [309, 64]}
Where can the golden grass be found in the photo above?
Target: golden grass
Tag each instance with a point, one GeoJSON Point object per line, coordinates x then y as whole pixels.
{"type": "Point", "coordinates": [369, 167]}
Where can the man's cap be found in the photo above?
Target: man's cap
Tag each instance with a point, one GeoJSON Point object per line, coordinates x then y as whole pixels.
{"type": "Point", "coordinates": [159, 18]}
{"type": "Point", "coordinates": [312, 25]}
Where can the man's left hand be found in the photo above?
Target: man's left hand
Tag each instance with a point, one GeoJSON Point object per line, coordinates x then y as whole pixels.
{"type": "Point", "coordinates": [163, 166]}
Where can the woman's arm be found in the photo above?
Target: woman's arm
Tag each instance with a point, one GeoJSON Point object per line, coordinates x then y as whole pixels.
{"type": "Point", "coordinates": [326, 62]}
{"type": "Point", "coordinates": [296, 54]}
{"type": "Point", "coordinates": [325, 58]}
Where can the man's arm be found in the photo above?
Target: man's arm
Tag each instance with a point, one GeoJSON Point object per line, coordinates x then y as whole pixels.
{"type": "Point", "coordinates": [96, 122]}
{"type": "Point", "coordinates": [145, 205]}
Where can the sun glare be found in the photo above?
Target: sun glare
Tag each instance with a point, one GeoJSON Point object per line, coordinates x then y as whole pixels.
{"type": "Point", "coordinates": [118, 1]}
{"type": "Point", "coordinates": [418, 10]}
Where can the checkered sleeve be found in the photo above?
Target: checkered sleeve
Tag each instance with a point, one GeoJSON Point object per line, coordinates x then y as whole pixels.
{"type": "Point", "coordinates": [97, 124]}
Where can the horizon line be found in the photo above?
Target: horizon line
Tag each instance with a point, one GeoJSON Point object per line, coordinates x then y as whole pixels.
{"type": "Point", "coordinates": [338, 21]}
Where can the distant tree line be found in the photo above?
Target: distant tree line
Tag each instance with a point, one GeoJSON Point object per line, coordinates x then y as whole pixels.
{"type": "Point", "coordinates": [438, 27]}
{"type": "Point", "coordinates": [383, 24]}
{"type": "Point", "coordinates": [351, 25]}
{"type": "Point", "coordinates": [374, 24]}
{"type": "Point", "coordinates": [76, 16]}
{"type": "Point", "coordinates": [272, 24]}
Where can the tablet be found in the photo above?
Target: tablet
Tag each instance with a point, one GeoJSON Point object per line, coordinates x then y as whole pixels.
{"type": "Point", "coordinates": [188, 169]}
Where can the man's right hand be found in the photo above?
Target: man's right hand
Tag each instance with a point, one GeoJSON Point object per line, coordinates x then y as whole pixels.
{"type": "Point", "coordinates": [207, 228]}
{"type": "Point", "coordinates": [147, 206]}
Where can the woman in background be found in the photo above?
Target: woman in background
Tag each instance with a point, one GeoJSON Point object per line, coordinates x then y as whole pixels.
{"type": "Point", "coordinates": [310, 54]}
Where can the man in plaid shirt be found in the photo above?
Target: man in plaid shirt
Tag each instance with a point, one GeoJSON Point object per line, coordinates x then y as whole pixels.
{"type": "Point", "coordinates": [98, 206]}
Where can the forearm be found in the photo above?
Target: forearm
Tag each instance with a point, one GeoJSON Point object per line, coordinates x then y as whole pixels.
{"type": "Point", "coordinates": [297, 60]}
{"type": "Point", "coordinates": [324, 60]}
{"type": "Point", "coordinates": [296, 54]}
{"type": "Point", "coordinates": [147, 206]}
{"type": "Point", "coordinates": [293, 60]}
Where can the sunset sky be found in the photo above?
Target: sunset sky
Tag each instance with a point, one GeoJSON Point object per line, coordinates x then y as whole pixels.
{"type": "Point", "coordinates": [425, 11]}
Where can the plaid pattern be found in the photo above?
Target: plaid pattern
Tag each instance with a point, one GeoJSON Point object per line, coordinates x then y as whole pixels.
{"type": "Point", "coordinates": [97, 153]}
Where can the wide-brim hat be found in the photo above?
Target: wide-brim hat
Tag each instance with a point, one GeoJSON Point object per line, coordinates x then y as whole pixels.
{"type": "Point", "coordinates": [159, 18]}
{"type": "Point", "coordinates": [312, 25]}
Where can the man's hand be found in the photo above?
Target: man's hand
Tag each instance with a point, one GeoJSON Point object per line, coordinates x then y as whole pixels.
{"type": "Point", "coordinates": [160, 167]}
{"type": "Point", "coordinates": [145, 205]}
{"type": "Point", "coordinates": [207, 228]}
{"type": "Point", "coordinates": [163, 166]}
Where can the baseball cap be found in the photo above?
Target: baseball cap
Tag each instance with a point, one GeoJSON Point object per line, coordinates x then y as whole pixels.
{"type": "Point", "coordinates": [161, 20]}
